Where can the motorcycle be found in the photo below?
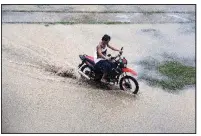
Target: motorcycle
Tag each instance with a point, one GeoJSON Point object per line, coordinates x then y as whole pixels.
{"type": "Point", "coordinates": [117, 76]}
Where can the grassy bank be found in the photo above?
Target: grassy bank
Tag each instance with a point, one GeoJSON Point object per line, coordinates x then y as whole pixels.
{"type": "Point", "coordinates": [174, 75]}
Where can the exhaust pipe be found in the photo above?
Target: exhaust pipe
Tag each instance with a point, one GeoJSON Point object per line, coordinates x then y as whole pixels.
{"type": "Point", "coordinates": [83, 74]}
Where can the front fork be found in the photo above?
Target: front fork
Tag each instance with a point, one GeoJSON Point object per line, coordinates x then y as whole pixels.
{"type": "Point", "coordinates": [120, 76]}
{"type": "Point", "coordinates": [123, 75]}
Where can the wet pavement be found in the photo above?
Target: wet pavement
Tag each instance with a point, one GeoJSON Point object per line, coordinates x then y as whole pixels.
{"type": "Point", "coordinates": [99, 14]}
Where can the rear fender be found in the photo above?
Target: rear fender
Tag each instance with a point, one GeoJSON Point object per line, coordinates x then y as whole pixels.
{"type": "Point", "coordinates": [129, 71]}
{"type": "Point", "coordinates": [82, 57]}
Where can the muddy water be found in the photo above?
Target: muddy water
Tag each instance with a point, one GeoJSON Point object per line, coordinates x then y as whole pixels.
{"type": "Point", "coordinates": [35, 99]}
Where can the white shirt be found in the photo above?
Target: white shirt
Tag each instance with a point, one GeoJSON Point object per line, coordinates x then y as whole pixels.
{"type": "Point", "coordinates": [96, 59]}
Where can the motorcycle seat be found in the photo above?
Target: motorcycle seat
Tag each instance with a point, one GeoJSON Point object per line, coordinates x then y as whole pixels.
{"type": "Point", "coordinates": [90, 60]}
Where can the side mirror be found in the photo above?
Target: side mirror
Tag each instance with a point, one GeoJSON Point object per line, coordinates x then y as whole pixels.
{"type": "Point", "coordinates": [121, 48]}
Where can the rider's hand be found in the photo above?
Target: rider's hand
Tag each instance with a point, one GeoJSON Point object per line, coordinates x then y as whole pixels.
{"type": "Point", "coordinates": [120, 52]}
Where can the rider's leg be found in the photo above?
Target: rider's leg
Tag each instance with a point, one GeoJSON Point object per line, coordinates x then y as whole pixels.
{"type": "Point", "coordinates": [103, 79]}
{"type": "Point", "coordinates": [107, 69]}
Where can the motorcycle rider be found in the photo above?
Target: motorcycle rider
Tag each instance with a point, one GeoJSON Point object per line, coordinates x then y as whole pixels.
{"type": "Point", "coordinates": [100, 57]}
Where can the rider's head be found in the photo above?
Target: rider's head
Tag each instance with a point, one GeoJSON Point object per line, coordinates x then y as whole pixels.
{"type": "Point", "coordinates": [105, 39]}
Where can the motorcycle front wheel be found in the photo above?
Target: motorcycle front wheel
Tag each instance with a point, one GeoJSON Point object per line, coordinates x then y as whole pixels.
{"type": "Point", "coordinates": [129, 83]}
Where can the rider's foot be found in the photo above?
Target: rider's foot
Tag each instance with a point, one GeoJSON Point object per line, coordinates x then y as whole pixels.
{"type": "Point", "coordinates": [110, 87]}
{"type": "Point", "coordinates": [103, 80]}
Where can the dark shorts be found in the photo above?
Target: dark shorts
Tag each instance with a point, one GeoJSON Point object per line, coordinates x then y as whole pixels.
{"type": "Point", "coordinates": [104, 66]}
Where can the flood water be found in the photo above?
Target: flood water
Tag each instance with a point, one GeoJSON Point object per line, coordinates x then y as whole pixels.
{"type": "Point", "coordinates": [36, 100]}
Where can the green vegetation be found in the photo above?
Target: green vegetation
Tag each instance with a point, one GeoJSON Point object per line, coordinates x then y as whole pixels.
{"type": "Point", "coordinates": [152, 12]}
{"type": "Point", "coordinates": [176, 75]}
{"type": "Point", "coordinates": [90, 22]}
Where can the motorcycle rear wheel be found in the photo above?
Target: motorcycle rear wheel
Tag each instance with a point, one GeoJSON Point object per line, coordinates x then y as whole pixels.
{"type": "Point", "coordinates": [89, 72]}
{"type": "Point", "coordinates": [86, 70]}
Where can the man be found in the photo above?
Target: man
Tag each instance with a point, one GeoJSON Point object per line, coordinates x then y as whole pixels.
{"type": "Point", "coordinates": [100, 59]}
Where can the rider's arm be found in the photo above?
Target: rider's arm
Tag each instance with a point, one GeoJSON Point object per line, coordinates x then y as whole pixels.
{"type": "Point", "coordinates": [100, 53]}
{"type": "Point", "coordinates": [114, 49]}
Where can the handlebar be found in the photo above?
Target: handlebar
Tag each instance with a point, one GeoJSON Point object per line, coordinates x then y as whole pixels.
{"type": "Point", "coordinates": [113, 58]}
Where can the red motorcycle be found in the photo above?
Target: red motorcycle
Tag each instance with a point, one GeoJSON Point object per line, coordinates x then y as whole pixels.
{"type": "Point", "coordinates": [117, 76]}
